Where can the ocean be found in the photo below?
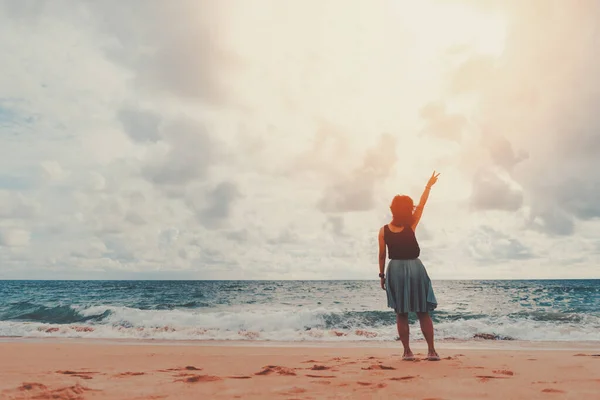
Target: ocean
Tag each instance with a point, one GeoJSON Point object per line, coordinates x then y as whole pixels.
{"type": "Point", "coordinates": [532, 310]}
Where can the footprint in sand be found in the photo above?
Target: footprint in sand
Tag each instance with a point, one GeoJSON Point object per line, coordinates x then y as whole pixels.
{"type": "Point", "coordinates": [319, 367]}
{"type": "Point", "coordinates": [320, 376]}
{"type": "Point", "coordinates": [78, 374]}
{"type": "Point", "coordinates": [339, 358]}
{"type": "Point", "coordinates": [43, 392]}
{"type": "Point", "coordinates": [188, 368]}
{"type": "Point", "coordinates": [32, 386]}
{"type": "Point", "coordinates": [270, 369]}
{"type": "Point", "coordinates": [553, 391]}
{"type": "Point", "coordinates": [485, 378]}
{"type": "Point", "coordinates": [129, 373]}
{"type": "Point", "coordinates": [199, 378]}
{"type": "Point", "coordinates": [240, 377]}
{"type": "Point", "coordinates": [294, 390]}
{"type": "Point", "coordinates": [378, 367]}
{"type": "Point", "coordinates": [403, 378]}
{"type": "Point", "coordinates": [503, 372]}
{"type": "Point", "coordinates": [379, 385]}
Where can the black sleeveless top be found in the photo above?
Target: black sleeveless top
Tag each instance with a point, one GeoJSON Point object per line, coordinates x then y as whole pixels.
{"type": "Point", "coordinates": [401, 245]}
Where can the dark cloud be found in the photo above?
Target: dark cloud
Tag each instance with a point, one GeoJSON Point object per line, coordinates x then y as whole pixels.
{"type": "Point", "coordinates": [135, 218]}
{"type": "Point", "coordinates": [239, 235]}
{"type": "Point", "coordinates": [23, 8]}
{"type": "Point", "coordinates": [356, 191]}
{"type": "Point", "coordinates": [487, 245]}
{"type": "Point", "coordinates": [573, 196]}
{"type": "Point", "coordinates": [335, 224]}
{"type": "Point", "coordinates": [490, 192]}
{"type": "Point", "coordinates": [173, 48]}
{"type": "Point", "coordinates": [503, 154]}
{"type": "Point", "coordinates": [441, 124]}
{"type": "Point", "coordinates": [189, 157]}
{"type": "Point", "coordinates": [552, 221]}
{"type": "Point", "coordinates": [118, 251]}
{"type": "Point", "coordinates": [184, 64]}
{"type": "Point", "coordinates": [140, 125]}
{"type": "Point", "coordinates": [213, 207]}
{"type": "Point", "coordinates": [286, 236]}
{"type": "Point", "coordinates": [14, 205]}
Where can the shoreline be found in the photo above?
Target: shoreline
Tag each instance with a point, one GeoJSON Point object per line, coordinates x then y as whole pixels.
{"type": "Point", "coordinates": [477, 344]}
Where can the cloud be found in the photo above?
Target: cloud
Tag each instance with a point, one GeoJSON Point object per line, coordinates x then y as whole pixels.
{"type": "Point", "coordinates": [335, 223]}
{"type": "Point", "coordinates": [472, 74]}
{"type": "Point", "coordinates": [184, 58]}
{"type": "Point", "coordinates": [14, 237]}
{"type": "Point", "coordinates": [489, 246]}
{"type": "Point", "coordinates": [491, 192]}
{"type": "Point", "coordinates": [15, 205]}
{"type": "Point", "coordinates": [553, 221]}
{"type": "Point", "coordinates": [541, 97]}
{"type": "Point", "coordinates": [503, 154]}
{"type": "Point", "coordinates": [140, 125]}
{"type": "Point", "coordinates": [133, 140]}
{"type": "Point", "coordinates": [355, 191]}
{"type": "Point", "coordinates": [187, 156]}
{"type": "Point", "coordinates": [442, 124]}
{"type": "Point", "coordinates": [213, 208]}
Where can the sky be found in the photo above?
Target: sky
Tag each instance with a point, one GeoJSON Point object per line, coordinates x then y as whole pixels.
{"type": "Point", "coordinates": [265, 140]}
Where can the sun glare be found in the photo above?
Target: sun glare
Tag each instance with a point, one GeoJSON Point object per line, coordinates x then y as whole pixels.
{"type": "Point", "coordinates": [441, 26]}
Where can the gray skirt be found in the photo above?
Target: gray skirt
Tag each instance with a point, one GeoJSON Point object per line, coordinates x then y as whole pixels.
{"type": "Point", "coordinates": [408, 287]}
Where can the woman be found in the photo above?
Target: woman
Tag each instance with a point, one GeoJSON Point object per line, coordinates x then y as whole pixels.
{"type": "Point", "coordinates": [406, 282]}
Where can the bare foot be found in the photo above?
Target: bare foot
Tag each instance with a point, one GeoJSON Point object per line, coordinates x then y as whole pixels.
{"type": "Point", "coordinates": [408, 356]}
{"type": "Point", "coordinates": [433, 356]}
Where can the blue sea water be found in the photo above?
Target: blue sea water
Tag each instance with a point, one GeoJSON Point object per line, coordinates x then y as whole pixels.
{"type": "Point", "coordinates": [544, 310]}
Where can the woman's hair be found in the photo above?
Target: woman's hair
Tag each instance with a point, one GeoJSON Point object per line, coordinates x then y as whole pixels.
{"type": "Point", "coordinates": [402, 211]}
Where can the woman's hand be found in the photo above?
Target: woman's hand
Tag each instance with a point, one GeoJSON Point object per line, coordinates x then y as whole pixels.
{"type": "Point", "coordinates": [383, 283]}
{"type": "Point", "coordinates": [433, 179]}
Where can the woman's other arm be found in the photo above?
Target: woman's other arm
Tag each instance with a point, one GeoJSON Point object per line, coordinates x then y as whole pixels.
{"type": "Point", "coordinates": [382, 257]}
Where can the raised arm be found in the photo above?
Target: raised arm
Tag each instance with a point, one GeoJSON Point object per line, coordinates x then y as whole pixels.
{"type": "Point", "coordinates": [419, 210]}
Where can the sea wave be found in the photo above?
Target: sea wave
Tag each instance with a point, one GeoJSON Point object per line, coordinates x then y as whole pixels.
{"type": "Point", "coordinates": [28, 319]}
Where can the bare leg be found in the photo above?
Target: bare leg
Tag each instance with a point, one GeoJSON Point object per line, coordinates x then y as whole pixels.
{"type": "Point", "coordinates": [427, 329]}
{"type": "Point", "coordinates": [404, 333]}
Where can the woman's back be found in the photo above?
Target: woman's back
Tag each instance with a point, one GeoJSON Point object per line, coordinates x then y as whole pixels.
{"type": "Point", "coordinates": [401, 243]}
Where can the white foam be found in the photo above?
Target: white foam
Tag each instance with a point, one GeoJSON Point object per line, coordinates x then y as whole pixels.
{"type": "Point", "coordinates": [290, 324]}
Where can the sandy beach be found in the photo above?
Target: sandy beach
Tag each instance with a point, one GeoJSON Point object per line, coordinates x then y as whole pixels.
{"type": "Point", "coordinates": [97, 369]}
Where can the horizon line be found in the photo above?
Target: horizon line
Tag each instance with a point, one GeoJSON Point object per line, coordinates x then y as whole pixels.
{"type": "Point", "coordinates": [294, 280]}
